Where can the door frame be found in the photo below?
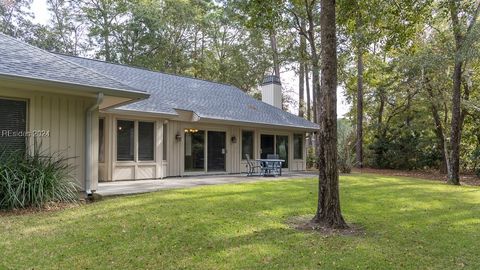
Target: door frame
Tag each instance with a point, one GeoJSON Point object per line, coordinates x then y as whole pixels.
{"type": "Point", "coordinates": [224, 155]}
{"type": "Point", "coordinates": [260, 133]}
{"type": "Point", "coordinates": [205, 128]}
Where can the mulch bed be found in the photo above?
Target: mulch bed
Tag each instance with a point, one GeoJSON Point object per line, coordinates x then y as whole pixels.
{"type": "Point", "coordinates": [465, 179]}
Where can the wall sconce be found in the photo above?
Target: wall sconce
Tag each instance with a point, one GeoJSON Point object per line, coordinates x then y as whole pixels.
{"type": "Point", "coordinates": [178, 137]}
{"type": "Point", "coordinates": [234, 139]}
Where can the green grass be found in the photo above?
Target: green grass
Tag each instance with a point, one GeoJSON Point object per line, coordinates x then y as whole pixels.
{"type": "Point", "coordinates": [409, 223]}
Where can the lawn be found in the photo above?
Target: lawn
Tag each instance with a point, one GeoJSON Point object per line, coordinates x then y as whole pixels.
{"type": "Point", "coordinates": [408, 223]}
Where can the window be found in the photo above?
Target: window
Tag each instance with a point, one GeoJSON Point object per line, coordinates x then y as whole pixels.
{"type": "Point", "coordinates": [146, 140]}
{"type": "Point", "coordinates": [101, 140]}
{"type": "Point", "coordinates": [297, 146]}
{"type": "Point", "coordinates": [13, 124]}
{"type": "Point", "coordinates": [125, 140]}
{"type": "Point", "coordinates": [165, 133]}
{"type": "Point", "coordinates": [247, 144]}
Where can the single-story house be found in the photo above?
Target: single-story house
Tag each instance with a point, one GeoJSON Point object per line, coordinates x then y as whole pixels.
{"type": "Point", "coordinates": [127, 123]}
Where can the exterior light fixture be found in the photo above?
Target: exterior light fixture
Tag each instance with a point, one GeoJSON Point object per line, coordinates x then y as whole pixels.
{"type": "Point", "coordinates": [233, 139]}
{"type": "Point", "coordinates": [191, 130]}
{"type": "Point", "coordinates": [178, 137]}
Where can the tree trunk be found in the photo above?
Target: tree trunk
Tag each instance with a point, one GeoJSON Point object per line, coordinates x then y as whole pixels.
{"type": "Point", "coordinates": [307, 90]}
{"type": "Point", "coordinates": [309, 107]}
{"type": "Point", "coordinates": [301, 76]}
{"type": "Point", "coordinates": [273, 45]}
{"type": "Point", "coordinates": [455, 136]}
{"type": "Point", "coordinates": [359, 137]}
{"type": "Point", "coordinates": [359, 143]}
{"type": "Point", "coordinates": [328, 211]}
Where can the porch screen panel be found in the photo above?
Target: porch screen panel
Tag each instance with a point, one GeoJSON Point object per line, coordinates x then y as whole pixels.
{"type": "Point", "coordinates": [125, 140]}
{"type": "Point", "coordinates": [13, 123]}
{"type": "Point", "coordinates": [194, 151]}
{"type": "Point", "coordinates": [297, 146]}
{"type": "Point", "coordinates": [146, 140]}
{"type": "Point", "coordinates": [101, 140]}
{"type": "Point", "coordinates": [165, 132]}
{"type": "Point", "coordinates": [247, 144]}
{"type": "Point", "coordinates": [282, 149]}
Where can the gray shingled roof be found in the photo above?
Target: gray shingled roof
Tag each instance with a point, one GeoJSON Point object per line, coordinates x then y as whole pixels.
{"type": "Point", "coordinates": [207, 99]}
{"type": "Point", "coordinates": [23, 60]}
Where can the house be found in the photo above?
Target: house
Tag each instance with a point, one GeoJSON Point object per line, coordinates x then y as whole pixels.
{"type": "Point", "coordinates": [124, 123]}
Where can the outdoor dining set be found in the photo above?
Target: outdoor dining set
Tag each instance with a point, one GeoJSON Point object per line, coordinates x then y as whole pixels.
{"type": "Point", "coordinates": [271, 166]}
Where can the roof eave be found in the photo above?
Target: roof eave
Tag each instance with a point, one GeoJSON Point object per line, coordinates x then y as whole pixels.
{"type": "Point", "coordinates": [134, 95]}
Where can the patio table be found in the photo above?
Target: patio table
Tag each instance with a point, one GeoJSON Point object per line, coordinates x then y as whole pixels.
{"type": "Point", "coordinates": [271, 166]}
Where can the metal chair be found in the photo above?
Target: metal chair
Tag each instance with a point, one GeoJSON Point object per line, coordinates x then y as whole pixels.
{"type": "Point", "coordinates": [252, 167]}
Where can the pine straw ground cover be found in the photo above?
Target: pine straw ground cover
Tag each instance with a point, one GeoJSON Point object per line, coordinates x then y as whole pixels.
{"type": "Point", "coordinates": [406, 223]}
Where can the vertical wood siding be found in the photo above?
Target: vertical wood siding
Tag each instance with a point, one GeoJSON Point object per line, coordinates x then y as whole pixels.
{"type": "Point", "coordinates": [64, 117]}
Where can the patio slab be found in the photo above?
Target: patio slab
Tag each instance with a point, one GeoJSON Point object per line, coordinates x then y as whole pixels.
{"type": "Point", "coordinates": [144, 186]}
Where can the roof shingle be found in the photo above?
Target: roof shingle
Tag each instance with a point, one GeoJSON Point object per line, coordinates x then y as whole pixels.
{"type": "Point", "coordinates": [207, 99]}
{"type": "Point", "coordinates": [21, 59]}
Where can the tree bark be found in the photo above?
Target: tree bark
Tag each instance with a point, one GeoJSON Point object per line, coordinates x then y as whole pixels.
{"type": "Point", "coordinates": [273, 45]}
{"type": "Point", "coordinates": [301, 75]}
{"type": "Point", "coordinates": [328, 210]}
{"type": "Point", "coordinates": [307, 90]}
{"type": "Point", "coordinates": [359, 143]}
{"type": "Point", "coordinates": [359, 137]}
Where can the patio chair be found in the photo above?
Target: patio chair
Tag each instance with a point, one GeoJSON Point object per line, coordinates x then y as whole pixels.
{"type": "Point", "coordinates": [252, 167]}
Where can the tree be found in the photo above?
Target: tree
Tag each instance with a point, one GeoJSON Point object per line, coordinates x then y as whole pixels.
{"type": "Point", "coordinates": [15, 17]}
{"type": "Point", "coordinates": [328, 210]}
{"type": "Point", "coordinates": [462, 43]}
{"type": "Point", "coordinates": [103, 18]}
{"type": "Point", "coordinates": [65, 27]}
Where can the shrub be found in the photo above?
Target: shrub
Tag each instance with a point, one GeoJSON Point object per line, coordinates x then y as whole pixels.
{"type": "Point", "coordinates": [35, 179]}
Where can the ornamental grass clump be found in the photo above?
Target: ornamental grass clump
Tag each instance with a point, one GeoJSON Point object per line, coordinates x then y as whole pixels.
{"type": "Point", "coordinates": [35, 179]}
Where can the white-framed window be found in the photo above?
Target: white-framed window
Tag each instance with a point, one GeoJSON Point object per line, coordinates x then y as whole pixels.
{"type": "Point", "coordinates": [135, 140]}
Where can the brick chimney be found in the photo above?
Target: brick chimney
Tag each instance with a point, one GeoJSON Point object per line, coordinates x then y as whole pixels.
{"type": "Point", "coordinates": [272, 91]}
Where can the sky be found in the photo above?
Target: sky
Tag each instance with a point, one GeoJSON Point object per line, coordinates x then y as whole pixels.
{"type": "Point", "coordinates": [289, 78]}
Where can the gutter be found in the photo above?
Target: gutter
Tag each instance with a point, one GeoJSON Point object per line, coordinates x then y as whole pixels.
{"type": "Point", "coordinates": [88, 144]}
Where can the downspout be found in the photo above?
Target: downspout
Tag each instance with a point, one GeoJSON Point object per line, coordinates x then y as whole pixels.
{"type": "Point", "coordinates": [88, 144]}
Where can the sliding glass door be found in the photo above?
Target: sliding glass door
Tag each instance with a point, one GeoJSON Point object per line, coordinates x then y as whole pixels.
{"type": "Point", "coordinates": [274, 144]}
{"type": "Point", "coordinates": [201, 146]}
{"type": "Point", "coordinates": [216, 151]}
{"type": "Point", "coordinates": [267, 145]}
{"type": "Point", "coordinates": [194, 150]}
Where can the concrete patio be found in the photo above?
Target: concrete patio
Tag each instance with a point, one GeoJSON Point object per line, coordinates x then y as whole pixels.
{"type": "Point", "coordinates": [144, 186]}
